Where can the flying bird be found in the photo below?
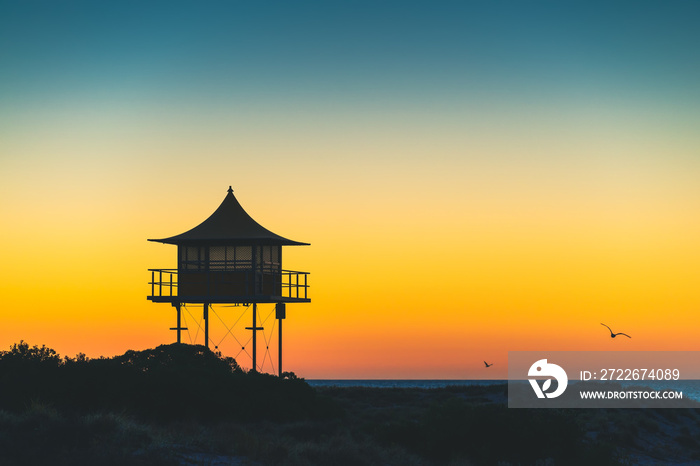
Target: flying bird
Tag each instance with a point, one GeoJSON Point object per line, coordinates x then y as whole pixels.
{"type": "Point", "coordinates": [613, 335]}
{"type": "Point", "coordinates": [487, 364]}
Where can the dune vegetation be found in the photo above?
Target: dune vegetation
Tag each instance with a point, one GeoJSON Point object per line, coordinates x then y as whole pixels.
{"type": "Point", "coordinates": [183, 404]}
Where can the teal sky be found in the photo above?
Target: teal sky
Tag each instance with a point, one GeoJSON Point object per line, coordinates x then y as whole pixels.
{"type": "Point", "coordinates": [423, 72]}
{"type": "Point", "coordinates": [297, 52]}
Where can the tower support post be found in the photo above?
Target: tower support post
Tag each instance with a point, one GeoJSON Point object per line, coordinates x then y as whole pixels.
{"type": "Point", "coordinates": [179, 322]}
{"type": "Point", "coordinates": [281, 313]}
{"type": "Point", "coordinates": [206, 325]}
{"type": "Point", "coordinates": [255, 334]}
{"type": "Point", "coordinates": [178, 327]}
{"type": "Point", "coordinates": [255, 329]}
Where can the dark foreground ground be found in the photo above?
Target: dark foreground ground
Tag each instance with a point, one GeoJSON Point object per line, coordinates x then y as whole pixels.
{"type": "Point", "coordinates": [178, 405]}
{"type": "Point", "coordinates": [373, 427]}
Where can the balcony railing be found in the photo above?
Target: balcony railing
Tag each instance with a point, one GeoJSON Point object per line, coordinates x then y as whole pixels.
{"type": "Point", "coordinates": [228, 286]}
{"type": "Point", "coordinates": [163, 280]}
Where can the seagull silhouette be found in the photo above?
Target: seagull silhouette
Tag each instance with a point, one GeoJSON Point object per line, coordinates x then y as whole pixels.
{"type": "Point", "coordinates": [613, 335]}
{"type": "Point", "coordinates": [487, 364]}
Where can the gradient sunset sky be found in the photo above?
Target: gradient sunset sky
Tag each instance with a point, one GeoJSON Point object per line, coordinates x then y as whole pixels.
{"type": "Point", "coordinates": [473, 177]}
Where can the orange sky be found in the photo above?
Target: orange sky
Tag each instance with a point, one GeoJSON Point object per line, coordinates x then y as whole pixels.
{"type": "Point", "coordinates": [398, 290]}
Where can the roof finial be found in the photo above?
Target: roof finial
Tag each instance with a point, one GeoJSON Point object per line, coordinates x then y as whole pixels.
{"type": "Point", "coordinates": [230, 190]}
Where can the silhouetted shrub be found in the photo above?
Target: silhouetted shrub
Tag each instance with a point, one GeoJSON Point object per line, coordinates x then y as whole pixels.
{"type": "Point", "coordinates": [492, 433]}
{"type": "Point", "coordinates": [40, 435]}
{"type": "Point", "coordinates": [169, 382]}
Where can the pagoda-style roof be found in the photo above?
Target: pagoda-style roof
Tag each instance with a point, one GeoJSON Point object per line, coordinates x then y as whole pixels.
{"type": "Point", "coordinates": [230, 223]}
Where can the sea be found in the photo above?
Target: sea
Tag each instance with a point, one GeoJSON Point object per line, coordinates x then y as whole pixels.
{"type": "Point", "coordinates": [400, 383]}
{"type": "Point", "coordinates": [690, 388]}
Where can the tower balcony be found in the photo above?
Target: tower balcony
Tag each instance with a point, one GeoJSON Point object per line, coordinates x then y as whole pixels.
{"type": "Point", "coordinates": [236, 286]}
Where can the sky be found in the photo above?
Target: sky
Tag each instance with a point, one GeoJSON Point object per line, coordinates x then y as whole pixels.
{"type": "Point", "coordinates": [473, 177]}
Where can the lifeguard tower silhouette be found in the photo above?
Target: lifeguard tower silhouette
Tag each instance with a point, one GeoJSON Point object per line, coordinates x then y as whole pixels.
{"type": "Point", "coordinates": [229, 259]}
